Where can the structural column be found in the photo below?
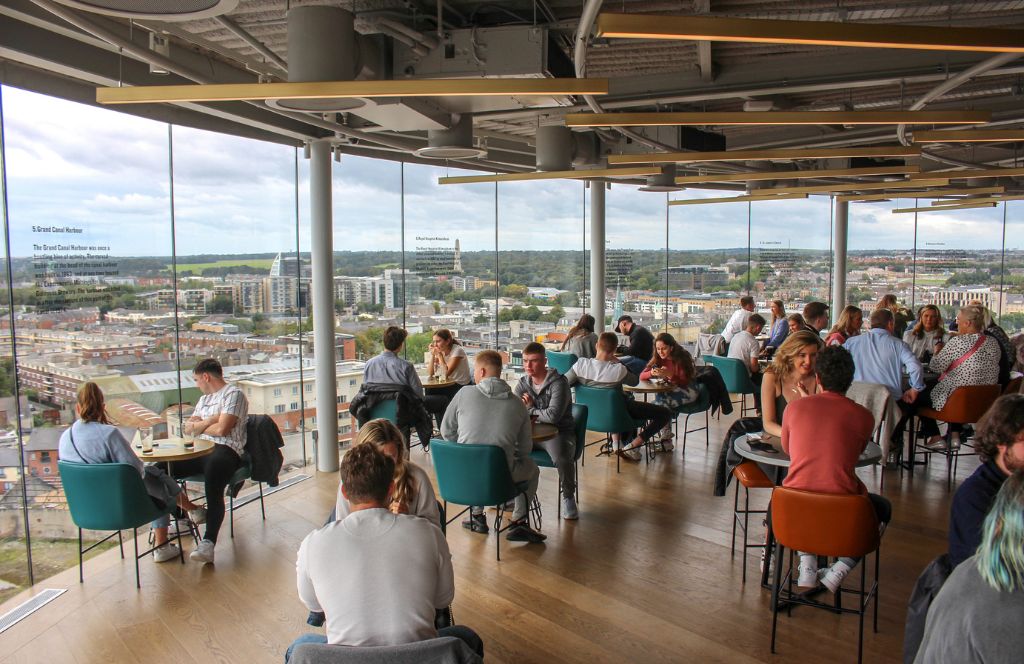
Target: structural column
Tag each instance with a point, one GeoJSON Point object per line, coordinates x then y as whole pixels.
{"type": "Point", "coordinates": [322, 244]}
{"type": "Point", "coordinates": [839, 259]}
{"type": "Point", "coordinates": [597, 242]}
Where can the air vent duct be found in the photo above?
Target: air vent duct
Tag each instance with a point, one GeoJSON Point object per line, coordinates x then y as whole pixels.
{"type": "Point", "coordinates": [155, 10]}
{"type": "Point", "coordinates": [664, 181]}
{"type": "Point", "coordinates": [453, 143]}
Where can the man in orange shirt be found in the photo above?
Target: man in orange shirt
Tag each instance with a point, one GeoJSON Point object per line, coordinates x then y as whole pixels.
{"type": "Point", "coordinates": [824, 435]}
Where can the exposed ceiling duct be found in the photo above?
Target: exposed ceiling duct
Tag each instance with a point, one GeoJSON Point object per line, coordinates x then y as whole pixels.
{"type": "Point", "coordinates": [560, 149]}
{"type": "Point", "coordinates": [663, 182]}
{"type": "Point", "coordinates": [453, 143]}
{"type": "Point", "coordinates": [160, 10]}
{"type": "Point", "coordinates": [321, 47]}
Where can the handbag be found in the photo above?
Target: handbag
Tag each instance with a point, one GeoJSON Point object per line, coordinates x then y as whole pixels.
{"type": "Point", "coordinates": [963, 358]}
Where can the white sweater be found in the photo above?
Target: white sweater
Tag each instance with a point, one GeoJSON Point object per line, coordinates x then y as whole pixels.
{"type": "Point", "coordinates": [378, 576]}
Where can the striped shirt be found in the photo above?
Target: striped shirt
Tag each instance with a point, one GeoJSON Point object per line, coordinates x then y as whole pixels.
{"type": "Point", "coordinates": [228, 399]}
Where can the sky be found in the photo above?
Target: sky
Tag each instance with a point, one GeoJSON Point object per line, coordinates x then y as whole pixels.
{"type": "Point", "coordinates": [108, 174]}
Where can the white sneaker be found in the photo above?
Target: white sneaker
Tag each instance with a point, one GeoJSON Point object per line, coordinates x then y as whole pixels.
{"type": "Point", "coordinates": [808, 569]}
{"type": "Point", "coordinates": [203, 553]}
{"type": "Point", "coordinates": [166, 551]}
{"type": "Point", "coordinates": [632, 454]}
{"type": "Point", "coordinates": [833, 577]}
{"type": "Point", "coordinates": [667, 445]}
{"type": "Point", "coordinates": [569, 510]}
{"type": "Point", "coordinates": [766, 558]}
{"type": "Point", "coordinates": [198, 515]}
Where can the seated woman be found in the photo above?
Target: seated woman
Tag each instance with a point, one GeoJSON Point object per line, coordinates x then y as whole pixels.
{"type": "Point", "coordinates": [796, 323]}
{"type": "Point", "coordinates": [674, 365]}
{"type": "Point", "coordinates": [848, 325]}
{"type": "Point", "coordinates": [900, 314]}
{"type": "Point", "coordinates": [413, 493]}
{"type": "Point", "coordinates": [92, 439]}
{"type": "Point", "coordinates": [779, 328]}
{"type": "Point", "coordinates": [970, 358]}
{"type": "Point", "coordinates": [977, 615]}
{"type": "Point", "coordinates": [789, 377]}
{"type": "Point", "coordinates": [928, 336]}
{"type": "Point", "coordinates": [448, 360]}
{"type": "Point", "coordinates": [581, 340]}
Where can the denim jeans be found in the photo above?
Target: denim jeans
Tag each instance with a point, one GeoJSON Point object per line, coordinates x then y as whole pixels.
{"type": "Point", "coordinates": [468, 636]}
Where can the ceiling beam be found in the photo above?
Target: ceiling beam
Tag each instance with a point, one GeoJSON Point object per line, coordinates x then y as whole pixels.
{"type": "Point", "coordinates": [934, 193]}
{"type": "Point", "coordinates": [727, 118]}
{"type": "Point", "coordinates": [859, 186]}
{"type": "Point", "coordinates": [972, 174]}
{"type": "Point", "coordinates": [554, 175]}
{"type": "Point", "coordinates": [798, 175]}
{"type": "Point", "coordinates": [970, 136]}
{"type": "Point", "coordinates": [735, 199]}
{"type": "Point", "coordinates": [966, 206]}
{"type": "Point", "coordinates": [763, 155]}
{"type": "Point", "coordinates": [704, 63]}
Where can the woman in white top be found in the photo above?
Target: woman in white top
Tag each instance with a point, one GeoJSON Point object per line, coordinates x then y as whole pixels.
{"type": "Point", "coordinates": [412, 494]}
{"type": "Point", "coordinates": [448, 360]}
{"type": "Point", "coordinates": [928, 336]}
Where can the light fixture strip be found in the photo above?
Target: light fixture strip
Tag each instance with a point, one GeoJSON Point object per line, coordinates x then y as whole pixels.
{"type": "Point", "coordinates": [763, 155]}
{"type": "Point", "coordinates": [967, 206]}
{"type": "Point", "coordinates": [815, 33]}
{"type": "Point", "coordinates": [856, 186]}
{"type": "Point", "coordinates": [970, 136]}
{"type": "Point", "coordinates": [731, 118]}
{"type": "Point", "coordinates": [934, 193]}
{"type": "Point", "coordinates": [735, 199]}
{"type": "Point", "coordinates": [147, 94]}
{"type": "Point", "coordinates": [553, 175]}
{"type": "Point", "coordinates": [972, 174]}
{"type": "Point", "coordinates": [797, 175]}
{"type": "Point", "coordinates": [980, 199]}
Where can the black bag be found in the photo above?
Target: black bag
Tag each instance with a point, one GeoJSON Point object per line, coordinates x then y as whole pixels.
{"type": "Point", "coordinates": [927, 587]}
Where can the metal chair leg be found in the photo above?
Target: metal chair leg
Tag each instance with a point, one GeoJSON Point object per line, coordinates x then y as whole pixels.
{"type": "Point", "coordinates": [735, 517]}
{"type": "Point", "coordinates": [81, 577]}
{"type": "Point", "coordinates": [263, 509]}
{"type": "Point", "coordinates": [120, 544]}
{"type": "Point", "coordinates": [231, 508]}
{"type": "Point", "coordinates": [775, 593]}
{"type": "Point", "coordinates": [177, 536]}
{"type": "Point", "coordinates": [860, 616]}
{"type": "Point", "coordinates": [497, 530]}
{"type": "Point", "coordinates": [135, 541]}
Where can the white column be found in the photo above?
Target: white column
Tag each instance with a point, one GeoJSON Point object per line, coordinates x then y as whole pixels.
{"type": "Point", "coordinates": [322, 245]}
{"type": "Point", "coordinates": [597, 241]}
{"type": "Point", "coordinates": [839, 259]}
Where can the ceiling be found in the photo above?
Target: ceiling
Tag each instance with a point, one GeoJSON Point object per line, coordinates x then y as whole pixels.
{"type": "Point", "coordinates": [47, 47]}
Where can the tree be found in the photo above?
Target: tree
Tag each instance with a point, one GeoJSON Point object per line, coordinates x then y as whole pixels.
{"type": "Point", "coordinates": [221, 304]}
{"type": "Point", "coordinates": [515, 291]}
{"type": "Point", "coordinates": [481, 319]}
{"type": "Point", "coordinates": [416, 345]}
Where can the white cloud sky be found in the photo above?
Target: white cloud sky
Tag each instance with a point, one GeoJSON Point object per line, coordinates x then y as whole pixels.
{"type": "Point", "coordinates": [107, 172]}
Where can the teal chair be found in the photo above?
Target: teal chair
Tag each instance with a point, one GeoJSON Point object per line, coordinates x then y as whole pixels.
{"type": "Point", "coordinates": [243, 473]}
{"type": "Point", "coordinates": [110, 496]}
{"type": "Point", "coordinates": [474, 475]}
{"type": "Point", "coordinates": [701, 405]}
{"type": "Point", "coordinates": [543, 459]}
{"type": "Point", "coordinates": [561, 362]}
{"type": "Point", "coordinates": [607, 414]}
{"type": "Point", "coordinates": [388, 410]}
{"type": "Point", "coordinates": [736, 377]}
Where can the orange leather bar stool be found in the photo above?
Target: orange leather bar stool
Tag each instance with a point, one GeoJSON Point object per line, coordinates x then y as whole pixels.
{"type": "Point", "coordinates": [965, 405]}
{"type": "Point", "coordinates": [834, 525]}
{"type": "Point", "coordinates": [750, 475]}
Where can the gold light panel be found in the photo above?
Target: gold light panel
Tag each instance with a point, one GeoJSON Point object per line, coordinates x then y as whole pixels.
{"type": "Point", "coordinates": [735, 199]}
{"type": "Point", "coordinates": [797, 175]}
{"type": "Point", "coordinates": [730, 118]}
{"type": "Point", "coordinates": [553, 175]}
{"type": "Point", "coordinates": [934, 193]}
{"type": "Point", "coordinates": [972, 174]}
{"type": "Point", "coordinates": [970, 136]}
{"type": "Point", "coordinates": [856, 186]}
{"type": "Point", "coordinates": [763, 155]}
{"type": "Point", "coordinates": [966, 206]}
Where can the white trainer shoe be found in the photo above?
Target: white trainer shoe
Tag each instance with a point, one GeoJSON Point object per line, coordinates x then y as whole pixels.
{"type": "Point", "coordinates": [203, 553]}
{"type": "Point", "coordinates": [833, 577]}
{"type": "Point", "coordinates": [808, 570]}
{"type": "Point", "coordinates": [166, 551]}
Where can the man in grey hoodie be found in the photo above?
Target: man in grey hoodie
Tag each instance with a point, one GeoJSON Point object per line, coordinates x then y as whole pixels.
{"type": "Point", "coordinates": [489, 414]}
{"type": "Point", "coordinates": [545, 392]}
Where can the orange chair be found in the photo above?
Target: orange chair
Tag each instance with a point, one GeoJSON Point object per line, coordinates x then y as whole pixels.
{"type": "Point", "coordinates": [834, 525]}
{"type": "Point", "coordinates": [750, 475]}
{"type": "Point", "coordinates": [1013, 387]}
{"type": "Point", "coordinates": [965, 405]}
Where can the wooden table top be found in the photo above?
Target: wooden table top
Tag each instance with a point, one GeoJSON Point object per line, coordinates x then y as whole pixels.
{"type": "Point", "coordinates": [543, 431]}
{"type": "Point", "coordinates": [436, 382]}
{"type": "Point", "coordinates": [173, 449]}
{"type": "Point", "coordinates": [648, 387]}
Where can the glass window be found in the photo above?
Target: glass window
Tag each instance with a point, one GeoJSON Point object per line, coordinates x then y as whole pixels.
{"type": "Point", "coordinates": [279, 408]}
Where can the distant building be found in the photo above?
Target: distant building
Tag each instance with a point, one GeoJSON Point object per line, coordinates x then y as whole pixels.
{"type": "Point", "coordinates": [694, 277]}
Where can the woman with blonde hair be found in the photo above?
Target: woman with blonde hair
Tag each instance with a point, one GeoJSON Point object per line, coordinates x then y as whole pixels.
{"type": "Point", "coordinates": [900, 314]}
{"type": "Point", "coordinates": [92, 439]}
{"type": "Point", "coordinates": [928, 335]}
{"type": "Point", "coordinates": [848, 325]}
{"type": "Point", "coordinates": [581, 340]}
{"type": "Point", "coordinates": [411, 492]}
{"type": "Point", "coordinates": [789, 377]}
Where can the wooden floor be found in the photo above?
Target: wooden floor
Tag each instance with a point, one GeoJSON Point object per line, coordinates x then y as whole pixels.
{"type": "Point", "coordinates": [645, 575]}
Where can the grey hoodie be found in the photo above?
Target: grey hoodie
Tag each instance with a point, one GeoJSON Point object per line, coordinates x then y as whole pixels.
{"type": "Point", "coordinates": [552, 402]}
{"type": "Point", "coordinates": [489, 414]}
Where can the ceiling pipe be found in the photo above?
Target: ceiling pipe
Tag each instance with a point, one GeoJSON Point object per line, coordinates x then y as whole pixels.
{"type": "Point", "coordinates": [429, 41]}
{"type": "Point", "coordinates": [256, 44]}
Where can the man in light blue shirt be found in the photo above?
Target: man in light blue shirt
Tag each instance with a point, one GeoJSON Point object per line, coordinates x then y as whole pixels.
{"type": "Point", "coordinates": [879, 357]}
{"type": "Point", "coordinates": [391, 369]}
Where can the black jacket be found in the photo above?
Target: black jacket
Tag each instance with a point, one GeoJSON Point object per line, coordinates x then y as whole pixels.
{"type": "Point", "coordinates": [411, 413]}
{"type": "Point", "coordinates": [263, 443]}
{"type": "Point", "coordinates": [710, 378]}
{"type": "Point", "coordinates": [728, 457]}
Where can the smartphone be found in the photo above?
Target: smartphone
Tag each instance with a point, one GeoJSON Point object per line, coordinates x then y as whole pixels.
{"type": "Point", "coordinates": [761, 446]}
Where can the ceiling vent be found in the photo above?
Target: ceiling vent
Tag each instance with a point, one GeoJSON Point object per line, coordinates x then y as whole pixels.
{"type": "Point", "coordinates": [664, 181]}
{"type": "Point", "coordinates": [321, 47]}
{"type": "Point", "coordinates": [155, 10]}
{"type": "Point", "coordinates": [453, 143]}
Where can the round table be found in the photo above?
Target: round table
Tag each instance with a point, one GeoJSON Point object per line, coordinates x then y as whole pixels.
{"type": "Point", "coordinates": [436, 383]}
{"type": "Point", "coordinates": [649, 387]}
{"type": "Point", "coordinates": [542, 431]}
{"type": "Point", "coordinates": [872, 454]}
{"type": "Point", "coordinates": [173, 449]}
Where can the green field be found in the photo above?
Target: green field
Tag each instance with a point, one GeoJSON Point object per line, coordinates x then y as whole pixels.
{"type": "Point", "coordinates": [262, 264]}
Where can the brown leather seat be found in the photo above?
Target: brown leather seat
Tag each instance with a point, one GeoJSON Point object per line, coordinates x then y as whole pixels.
{"type": "Point", "coordinates": [750, 475]}
{"type": "Point", "coordinates": [1013, 387]}
{"type": "Point", "coordinates": [965, 405]}
{"type": "Point", "coordinates": [836, 525]}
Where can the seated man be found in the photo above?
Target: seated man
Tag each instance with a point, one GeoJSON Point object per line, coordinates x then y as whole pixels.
{"type": "Point", "coordinates": [641, 344]}
{"type": "Point", "coordinates": [999, 439]}
{"type": "Point", "coordinates": [824, 435]}
{"type": "Point", "coordinates": [606, 371]}
{"type": "Point", "coordinates": [389, 368]}
{"type": "Point", "coordinates": [487, 413]}
{"type": "Point", "coordinates": [746, 348]}
{"type": "Point", "coordinates": [738, 321]}
{"type": "Point", "coordinates": [815, 317]}
{"type": "Point", "coordinates": [378, 576]}
{"type": "Point", "coordinates": [882, 358]}
{"type": "Point", "coordinates": [545, 392]}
